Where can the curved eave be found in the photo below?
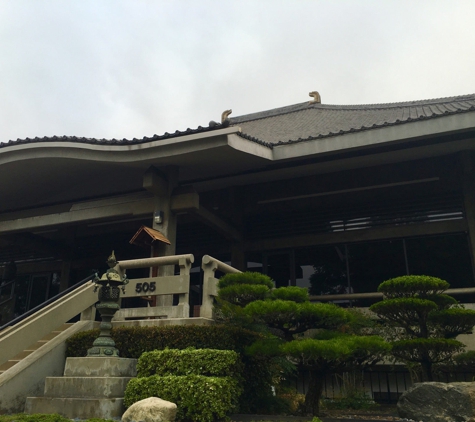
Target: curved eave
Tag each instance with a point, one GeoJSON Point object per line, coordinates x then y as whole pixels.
{"type": "Point", "coordinates": [128, 153]}
{"type": "Point", "coordinates": [377, 137]}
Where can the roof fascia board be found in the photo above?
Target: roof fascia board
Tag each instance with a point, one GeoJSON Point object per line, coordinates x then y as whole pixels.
{"type": "Point", "coordinates": [117, 153]}
{"type": "Point", "coordinates": [380, 136]}
{"type": "Point", "coordinates": [249, 147]}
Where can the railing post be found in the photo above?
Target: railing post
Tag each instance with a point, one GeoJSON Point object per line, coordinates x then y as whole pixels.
{"type": "Point", "coordinates": [210, 286]}
{"type": "Point", "coordinates": [184, 299]}
{"type": "Point", "coordinates": [89, 314]}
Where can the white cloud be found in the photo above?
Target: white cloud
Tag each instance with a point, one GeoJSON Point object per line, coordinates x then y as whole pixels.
{"type": "Point", "coordinates": [117, 68]}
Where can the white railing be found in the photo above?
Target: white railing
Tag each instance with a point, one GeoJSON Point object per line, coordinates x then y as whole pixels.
{"type": "Point", "coordinates": [18, 337]}
{"type": "Point", "coordinates": [156, 286]}
{"type": "Point", "coordinates": [210, 283]}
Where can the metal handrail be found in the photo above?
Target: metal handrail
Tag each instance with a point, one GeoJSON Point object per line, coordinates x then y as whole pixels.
{"type": "Point", "coordinates": [379, 296]}
{"type": "Point", "coordinates": [47, 302]}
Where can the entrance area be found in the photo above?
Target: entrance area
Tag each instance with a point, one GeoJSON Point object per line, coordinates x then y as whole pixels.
{"type": "Point", "coordinates": [361, 267]}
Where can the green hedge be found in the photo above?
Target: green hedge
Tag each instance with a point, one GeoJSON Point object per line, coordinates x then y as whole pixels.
{"type": "Point", "coordinates": [191, 361]}
{"type": "Point", "coordinates": [133, 341]}
{"type": "Point", "coordinates": [198, 398]}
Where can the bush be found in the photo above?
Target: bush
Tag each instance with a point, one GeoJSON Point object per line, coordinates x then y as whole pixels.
{"type": "Point", "coordinates": [242, 294]}
{"type": "Point", "coordinates": [243, 288]}
{"type": "Point", "coordinates": [133, 341]}
{"type": "Point", "coordinates": [247, 277]}
{"type": "Point", "coordinates": [191, 361]}
{"type": "Point", "coordinates": [296, 294]}
{"type": "Point", "coordinates": [40, 417]}
{"type": "Point", "coordinates": [423, 321]}
{"type": "Point", "coordinates": [197, 397]}
{"type": "Point", "coordinates": [413, 285]}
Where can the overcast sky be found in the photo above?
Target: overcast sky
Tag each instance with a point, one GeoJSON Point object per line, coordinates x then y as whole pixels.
{"type": "Point", "coordinates": [134, 68]}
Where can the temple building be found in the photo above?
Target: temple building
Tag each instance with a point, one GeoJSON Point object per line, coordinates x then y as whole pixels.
{"type": "Point", "coordinates": [335, 197]}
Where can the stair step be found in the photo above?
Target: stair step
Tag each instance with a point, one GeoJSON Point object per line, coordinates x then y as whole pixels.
{"type": "Point", "coordinates": [8, 364]}
{"type": "Point", "coordinates": [100, 367]}
{"type": "Point", "coordinates": [86, 387]}
{"type": "Point", "coordinates": [76, 408]}
{"type": "Point", "coordinates": [22, 355]}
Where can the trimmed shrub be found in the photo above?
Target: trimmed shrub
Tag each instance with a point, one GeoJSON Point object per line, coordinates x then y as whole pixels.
{"type": "Point", "coordinates": [191, 361]}
{"type": "Point", "coordinates": [423, 321]}
{"type": "Point", "coordinates": [296, 294]}
{"type": "Point", "coordinates": [243, 288]}
{"type": "Point", "coordinates": [198, 398]}
{"type": "Point", "coordinates": [242, 294]}
{"type": "Point", "coordinates": [247, 277]}
{"type": "Point", "coordinates": [413, 285]}
{"type": "Point", "coordinates": [133, 341]}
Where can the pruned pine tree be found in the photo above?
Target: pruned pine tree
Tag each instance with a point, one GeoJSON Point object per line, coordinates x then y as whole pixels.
{"type": "Point", "coordinates": [425, 321]}
{"type": "Point", "coordinates": [287, 314]}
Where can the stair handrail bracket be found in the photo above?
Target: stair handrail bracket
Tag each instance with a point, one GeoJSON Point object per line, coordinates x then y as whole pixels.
{"type": "Point", "coordinates": [209, 266]}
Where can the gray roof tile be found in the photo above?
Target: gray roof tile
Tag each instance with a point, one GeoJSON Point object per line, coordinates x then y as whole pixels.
{"type": "Point", "coordinates": [308, 121]}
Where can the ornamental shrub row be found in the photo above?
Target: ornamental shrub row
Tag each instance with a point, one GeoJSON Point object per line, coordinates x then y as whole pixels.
{"type": "Point", "coordinates": [198, 398]}
{"type": "Point", "coordinates": [190, 361]}
{"type": "Point", "coordinates": [133, 341]}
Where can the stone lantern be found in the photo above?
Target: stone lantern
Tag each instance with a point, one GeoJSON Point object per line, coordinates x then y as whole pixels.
{"type": "Point", "coordinates": [109, 285]}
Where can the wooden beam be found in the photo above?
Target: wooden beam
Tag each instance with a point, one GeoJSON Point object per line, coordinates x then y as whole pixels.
{"type": "Point", "coordinates": [424, 229]}
{"type": "Point", "coordinates": [114, 207]}
{"type": "Point", "coordinates": [218, 224]}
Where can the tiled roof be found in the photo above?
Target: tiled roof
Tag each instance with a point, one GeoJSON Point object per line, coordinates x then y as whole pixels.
{"type": "Point", "coordinates": [166, 135]}
{"type": "Point", "coordinates": [302, 122]}
{"type": "Point", "coordinates": [307, 121]}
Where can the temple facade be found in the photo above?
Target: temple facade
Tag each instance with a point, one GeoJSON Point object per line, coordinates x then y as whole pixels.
{"type": "Point", "coordinates": [337, 198]}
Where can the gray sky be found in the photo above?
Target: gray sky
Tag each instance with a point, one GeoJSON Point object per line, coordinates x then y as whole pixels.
{"type": "Point", "coordinates": [134, 68]}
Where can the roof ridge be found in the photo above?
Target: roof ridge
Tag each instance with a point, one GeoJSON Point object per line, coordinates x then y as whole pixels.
{"type": "Point", "coordinates": [84, 140]}
{"type": "Point", "coordinates": [376, 106]}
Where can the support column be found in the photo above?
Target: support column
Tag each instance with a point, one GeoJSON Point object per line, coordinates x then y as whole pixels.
{"type": "Point", "coordinates": [161, 183]}
{"type": "Point", "coordinates": [468, 185]}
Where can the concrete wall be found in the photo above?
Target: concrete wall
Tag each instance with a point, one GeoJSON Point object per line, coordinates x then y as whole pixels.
{"type": "Point", "coordinates": [27, 378]}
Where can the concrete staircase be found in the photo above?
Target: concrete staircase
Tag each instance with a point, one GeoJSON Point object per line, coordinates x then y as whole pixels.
{"type": "Point", "coordinates": [31, 348]}
{"type": "Point", "coordinates": [92, 387]}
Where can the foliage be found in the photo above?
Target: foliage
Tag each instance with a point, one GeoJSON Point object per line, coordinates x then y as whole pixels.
{"type": "Point", "coordinates": [296, 294]}
{"type": "Point", "coordinates": [425, 321]}
{"type": "Point", "coordinates": [133, 341]}
{"type": "Point", "coordinates": [419, 350]}
{"type": "Point", "coordinates": [40, 417]}
{"type": "Point", "coordinates": [340, 354]}
{"type": "Point", "coordinates": [357, 401]}
{"type": "Point", "coordinates": [248, 277]}
{"type": "Point", "coordinates": [465, 360]}
{"type": "Point", "coordinates": [242, 294]}
{"type": "Point", "coordinates": [287, 318]}
{"type": "Point", "coordinates": [198, 398]}
{"type": "Point", "coordinates": [190, 361]}
{"type": "Point", "coordinates": [413, 285]}
{"type": "Point", "coordinates": [294, 318]}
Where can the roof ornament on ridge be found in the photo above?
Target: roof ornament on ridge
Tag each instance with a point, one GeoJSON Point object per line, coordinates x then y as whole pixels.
{"type": "Point", "coordinates": [316, 97]}
{"type": "Point", "coordinates": [225, 114]}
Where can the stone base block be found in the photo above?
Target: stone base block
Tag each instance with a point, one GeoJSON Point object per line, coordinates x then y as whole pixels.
{"type": "Point", "coordinates": [100, 367]}
{"type": "Point", "coordinates": [103, 387]}
{"type": "Point", "coordinates": [72, 408]}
